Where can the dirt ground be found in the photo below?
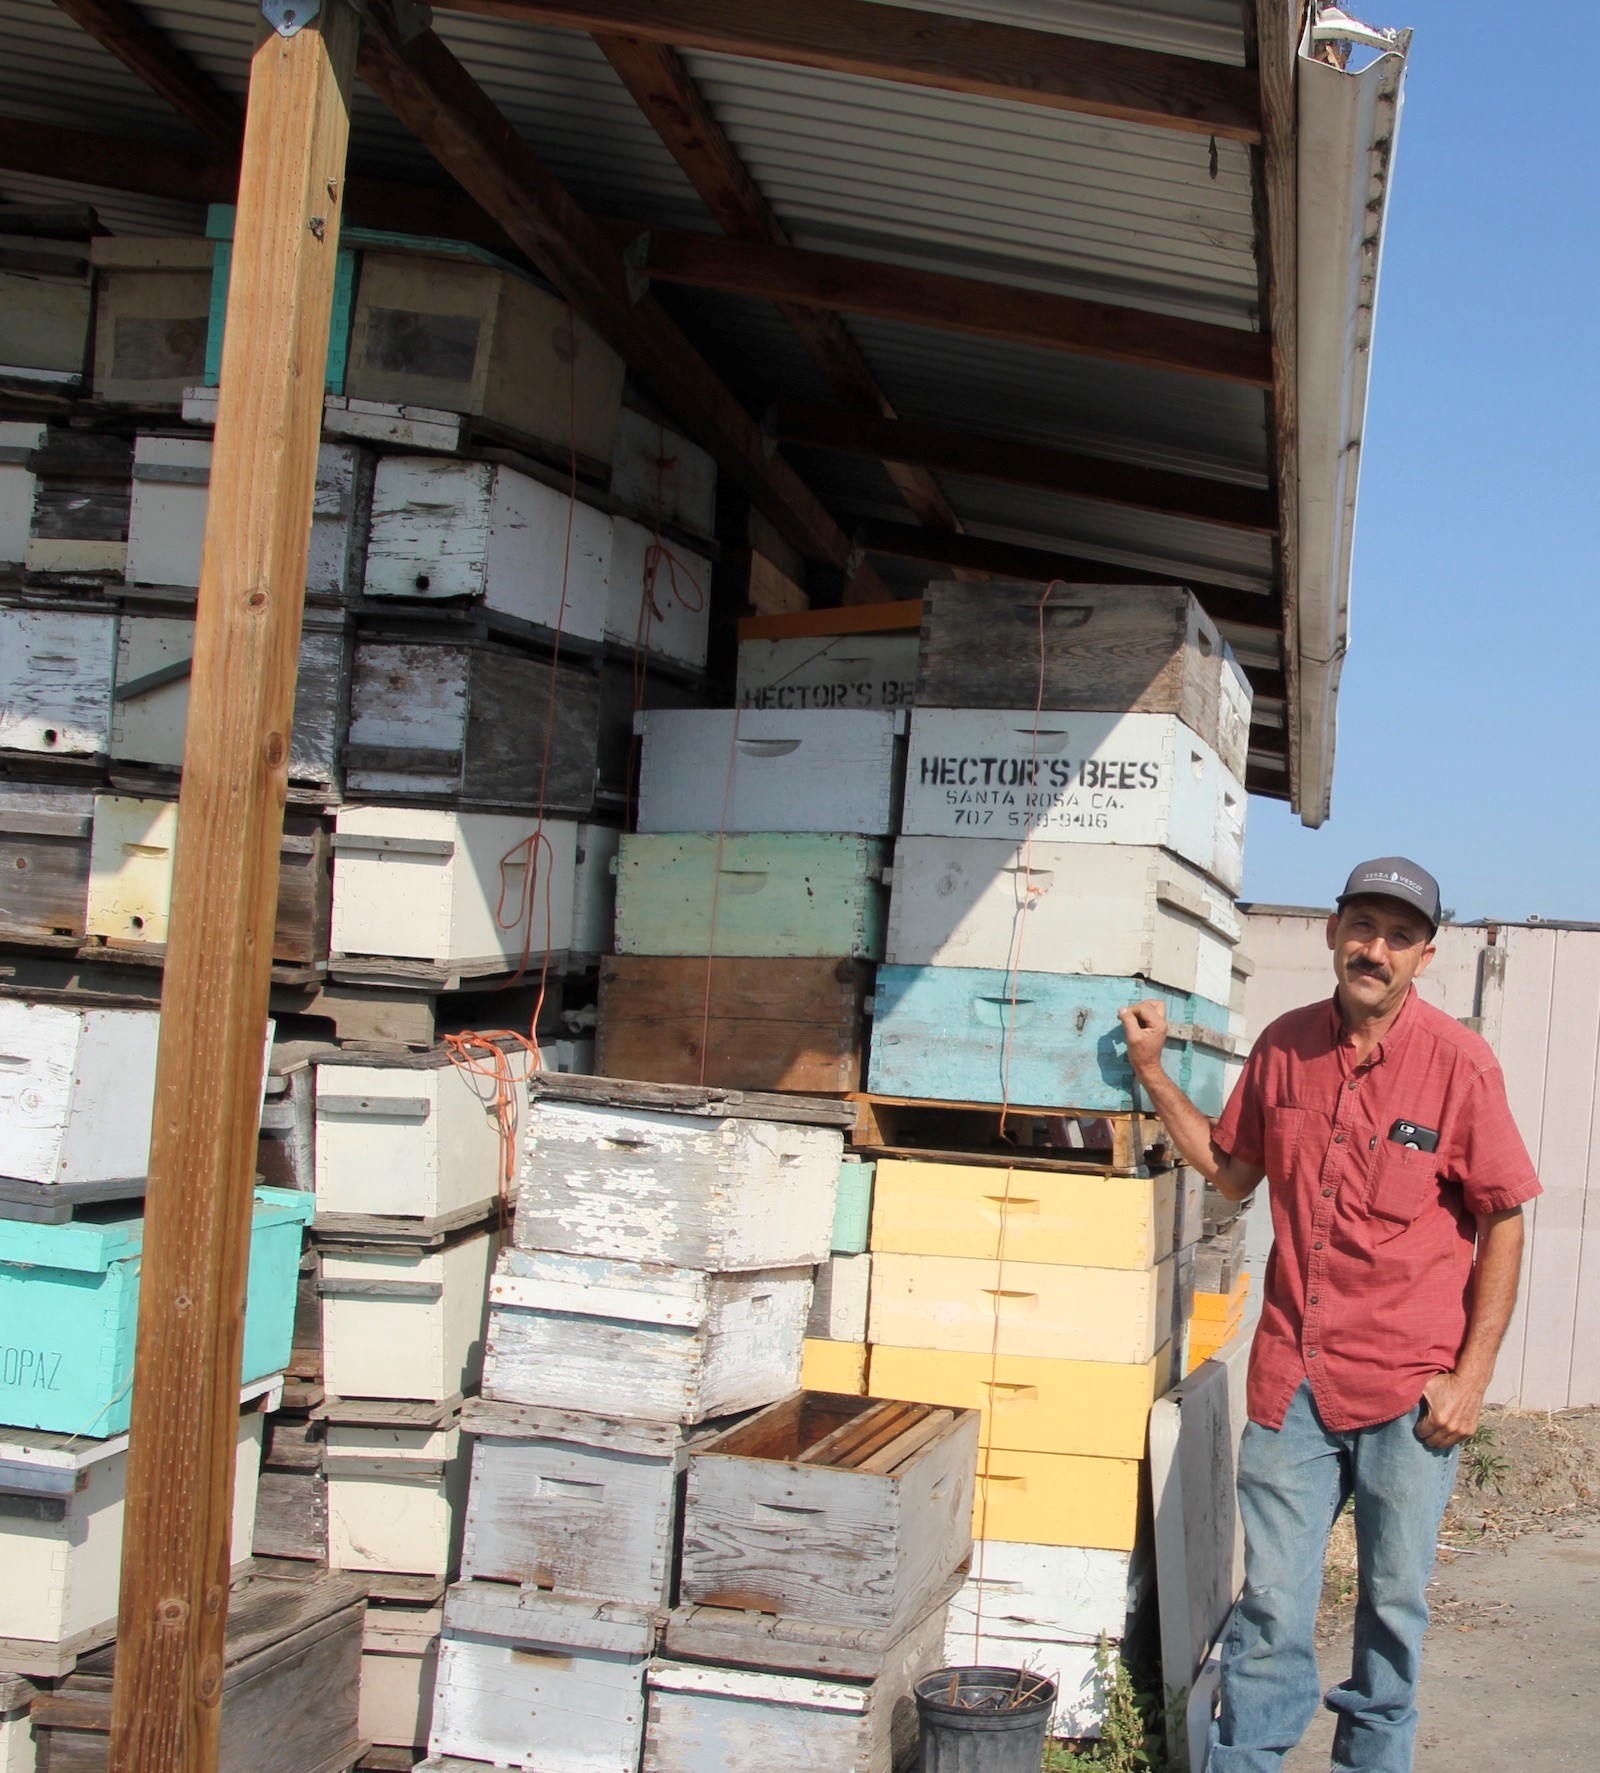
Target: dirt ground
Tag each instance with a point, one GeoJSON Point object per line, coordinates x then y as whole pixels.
{"type": "Point", "coordinates": [1507, 1675]}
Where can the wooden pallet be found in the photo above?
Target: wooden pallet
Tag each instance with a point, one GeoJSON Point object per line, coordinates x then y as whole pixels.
{"type": "Point", "coordinates": [983, 1132]}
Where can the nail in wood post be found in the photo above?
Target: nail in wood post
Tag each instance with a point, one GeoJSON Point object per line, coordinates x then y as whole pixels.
{"type": "Point", "coordinates": [166, 1709]}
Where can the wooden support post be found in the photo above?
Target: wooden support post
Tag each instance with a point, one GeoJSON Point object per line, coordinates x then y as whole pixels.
{"type": "Point", "coordinates": [166, 1709]}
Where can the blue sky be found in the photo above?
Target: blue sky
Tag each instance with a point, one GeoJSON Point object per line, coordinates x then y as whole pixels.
{"type": "Point", "coordinates": [1469, 718]}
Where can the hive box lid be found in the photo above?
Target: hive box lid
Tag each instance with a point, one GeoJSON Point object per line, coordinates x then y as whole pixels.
{"type": "Point", "coordinates": [90, 1246]}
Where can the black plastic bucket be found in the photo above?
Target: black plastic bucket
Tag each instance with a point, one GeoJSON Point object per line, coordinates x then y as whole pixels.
{"type": "Point", "coordinates": [965, 1735]}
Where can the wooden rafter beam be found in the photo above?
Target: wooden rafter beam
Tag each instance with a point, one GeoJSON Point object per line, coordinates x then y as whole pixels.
{"type": "Point", "coordinates": [197, 175]}
{"type": "Point", "coordinates": [434, 96]}
{"type": "Point", "coordinates": [121, 28]}
{"type": "Point", "coordinates": [1013, 560]}
{"type": "Point", "coordinates": [932, 50]}
{"type": "Point", "coordinates": [948, 303]}
{"type": "Point", "coordinates": [676, 109]}
{"type": "Point", "coordinates": [1025, 464]}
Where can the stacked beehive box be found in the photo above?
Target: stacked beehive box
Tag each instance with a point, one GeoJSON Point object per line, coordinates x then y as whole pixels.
{"type": "Point", "coordinates": [751, 902]}
{"type": "Point", "coordinates": [1071, 839]}
{"type": "Point", "coordinates": [657, 1280]}
{"type": "Point", "coordinates": [76, 1091]}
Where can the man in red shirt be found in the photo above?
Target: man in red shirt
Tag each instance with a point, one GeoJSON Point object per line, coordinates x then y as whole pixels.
{"type": "Point", "coordinates": [1397, 1181]}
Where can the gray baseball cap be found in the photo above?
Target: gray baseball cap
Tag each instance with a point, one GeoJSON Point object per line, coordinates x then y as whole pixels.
{"type": "Point", "coordinates": [1395, 877]}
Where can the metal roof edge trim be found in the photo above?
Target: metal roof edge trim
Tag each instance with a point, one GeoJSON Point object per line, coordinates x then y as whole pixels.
{"type": "Point", "coordinates": [1348, 127]}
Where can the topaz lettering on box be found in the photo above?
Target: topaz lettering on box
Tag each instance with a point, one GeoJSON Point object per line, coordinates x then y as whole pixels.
{"type": "Point", "coordinates": [34, 1367]}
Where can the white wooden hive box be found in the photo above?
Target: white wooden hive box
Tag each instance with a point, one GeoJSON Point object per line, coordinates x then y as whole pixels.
{"type": "Point", "coordinates": [751, 770]}
{"type": "Point", "coordinates": [399, 1666]}
{"type": "Point", "coordinates": [636, 1186]}
{"type": "Point", "coordinates": [660, 596]}
{"type": "Point", "coordinates": [1074, 778]}
{"type": "Point", "coordinates": [1116, 909]}
{"type": "Point", "coordinates": [635, 1339]}
{"type": "Point", "coordinates": [450, 889]}
{"type": "Point", "coordinates": [404, 1323]}
{"type": "Point", "coordinates": [838, 672]}
{"type": "Point", "coordinates": [662, 476]}
{"type": "Point", "coordinates": [396, 1496]}
{"type": "Point", "coordinates": [56, 669]}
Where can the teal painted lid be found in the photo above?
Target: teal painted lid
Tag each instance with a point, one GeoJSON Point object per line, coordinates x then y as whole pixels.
{"type": "Point", "coordinates": [84, 1246]}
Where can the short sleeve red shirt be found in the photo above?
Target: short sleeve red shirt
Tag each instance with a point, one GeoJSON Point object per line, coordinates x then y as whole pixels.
{"type": "Point", "coordinates": [1370, 1276]}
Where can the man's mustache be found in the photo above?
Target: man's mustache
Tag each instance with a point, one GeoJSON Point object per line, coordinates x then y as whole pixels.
{"type": "Point", "coordinates": [1371, 970]}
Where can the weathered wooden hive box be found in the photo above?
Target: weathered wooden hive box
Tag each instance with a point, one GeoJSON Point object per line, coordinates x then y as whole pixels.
{"type": "Point", "coordinates": [292, 1500]}
{"type": "Point", "coordinates": [19, 438]}
{"type": "Point", "coordinates": [860, 656]}
{"type": "Point", "coordinates": [45, 302]}
{"type": "Point", "coordinates": [845, 1511]}
{"type": "Point", "coordinates": [61, 1539]}
{"type": "Point", "coordinates": [468, 722]}
{"type": "Point", "coordinates": [408, 1138]}
{"type": "Point", "coordinates": [484, 340]}
{"type": "Point", "coordinates": [736, 1024]}
{"type": "Point", "coordinates": [17, 1750]}
{"type": "Point", "coordinates": [962, 1304]}
{"type": "Point", "coordinates": [641, 1186]}
{"type": "Point", "coordinates": [167, 516]}
{"type": "Point", "coordinates": [56, 671]}
{"type": "Point", "coordinates": [152, 312]}
{"type": "Point", "coordinates": [640, 1339]}
{"type": "Point", "coordinates": [397, 1483]}
{"type": "Point", "coordinates": [1024, 1215]}
{"type": "Point", "coordinates": [483, 533]}
{"type": "Point", "coordinates": [424, 889]}
{"type": "Point", "coordinates": [1045, 1608]}
{"type": "Point", "coordinates": [400, 1321]}
{"type": "Point", "coordinates": [970, 1034]}
{"type": "Point", "coordinates": [577, 1503]}
{"type": "Point", "coordinates": [291, 1668]}
{"type": "Point", "coordinates": [399, 1668]}
{"type": "Point", "coordinates": [1120, 909]}
{"type": "Point", "coordinates": [78, 529]}
{"type": "Point", "coordinates": [539, 1681]}
{"type": "Point", "coordinates": [594, 890]}
{"type": "Point", "coordinates": [1074, 779]}
{"type": "Point", "coordinates": [769, 893]}
{"type": "Point", "coordinates": [44, 860]}
{"type": "Point", "coordinates": [839, 1300]}
{"type": "Point", "coordinates": [736, 1689]}
{"type": "Point", "coordinates": [1146, 649]}
{"type": "Point", "coordinates": [725, 769]}
{"type": "Point", "coordinates": [70, 1295]}
{"type": "Point", "coordinates": [76, 1087]}
{"type": "Point", "coordinates": [661, 477]}
{"type": "Point", "coordinates": [660, 595]}
{"type": "Point", "coordinates": [130, 880]}
{"type": "Point", "coordinates": [155, 656]}
{"type": "Point", "coordinates": [1033, 1403]}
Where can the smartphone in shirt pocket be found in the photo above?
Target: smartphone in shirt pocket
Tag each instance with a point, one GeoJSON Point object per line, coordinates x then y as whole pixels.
{"type": "Point", "coordinates": [1406, 1171]}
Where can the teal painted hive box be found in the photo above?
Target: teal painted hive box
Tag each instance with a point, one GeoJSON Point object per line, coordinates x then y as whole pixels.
{"type": "Point", "coordinates": [776, 894]}
{"type": "Point", "coordinates": [69, 1303]}
{"type": "Point", "coordinates": [852, 1207]}
{"type": "Point", "coordinates": [938, 1033]}
{"type": "Point", "coordinates": [220, 219]}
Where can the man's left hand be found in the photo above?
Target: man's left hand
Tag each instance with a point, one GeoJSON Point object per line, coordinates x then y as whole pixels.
{"type": "Point", "coordinates": [1454, 1407]}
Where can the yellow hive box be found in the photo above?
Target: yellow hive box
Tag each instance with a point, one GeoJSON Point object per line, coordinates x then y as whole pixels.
{"type": "Point", "coordinates": [1098, 1408]}
{"type": "Point", "coordinates": [1220, 1307]}
{"type": "Point", "coordinates": [969, 1305]}
{"type": "Point", "coordinates": [835, 1366]}
{"type": "Point", "coordinates": [1025, 1215]}
{"type": "Point", "coordinates": [1057, 1499]}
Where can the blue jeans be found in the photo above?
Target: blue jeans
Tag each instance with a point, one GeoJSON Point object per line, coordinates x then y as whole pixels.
{"type": "Point", "coordinates": [1292, 1484]}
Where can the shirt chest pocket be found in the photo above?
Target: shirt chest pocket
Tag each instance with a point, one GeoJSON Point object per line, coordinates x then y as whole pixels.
{"type": "Point", "coordinates": [1404, 1180]}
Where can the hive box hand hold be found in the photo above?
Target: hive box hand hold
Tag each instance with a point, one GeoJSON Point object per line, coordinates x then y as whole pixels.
{"type": "Point", "coordinates": [1147, 649]}
{"type": "Point", "coordinates": [724, 769]}
{"type": "Point", "coordinates": [1075, 778]}
{"type": "Point", "coordinates": [637, 1186]}
{"type": "Point", "coordinates": [642, 1339]}
{"type": "Point", "coordinates": [1061, 908]}
{"type": "Point", "coordinates": [1046, 1040]}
